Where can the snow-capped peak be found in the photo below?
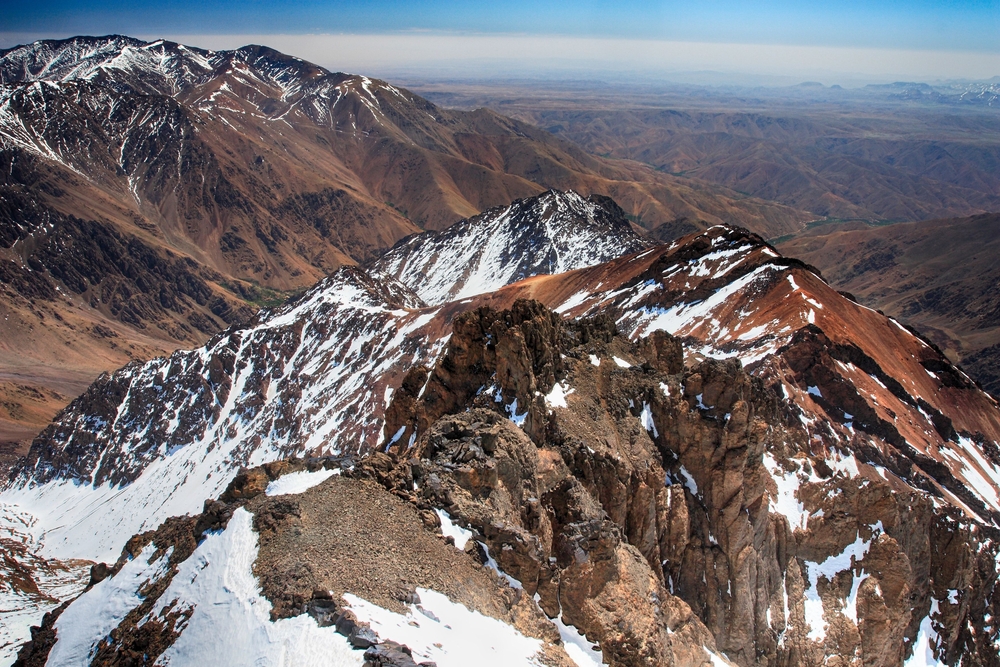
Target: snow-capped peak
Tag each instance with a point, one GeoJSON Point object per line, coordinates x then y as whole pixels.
{"type": "Point", "coordinates": [550, 233]}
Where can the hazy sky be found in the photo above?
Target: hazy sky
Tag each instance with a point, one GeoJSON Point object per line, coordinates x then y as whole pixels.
{"type": "Point", "coordinates": [880, 38]}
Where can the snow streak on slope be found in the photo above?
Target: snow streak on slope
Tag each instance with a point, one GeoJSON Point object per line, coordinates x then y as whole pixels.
{"type": "Point", "coordinates": [223, 84]}
{"type": "Point", "coordinates": [103, 607]}
{"type": "Point", "coordinates": [155, 440]}
{"type": "Point", "coordinates": [551, 233]}
{"type": "Point", "coordinates": [164, 66]}
{"type": "Point", "coordinates": [30, 585]}
{"type": "Point", "coordinates": [708, 292]}
{"type": "Point", "coordinates": [96, 132]}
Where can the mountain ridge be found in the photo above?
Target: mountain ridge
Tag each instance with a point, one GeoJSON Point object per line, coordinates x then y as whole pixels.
{"type": "Point", "coordinates": [936, 275]}
{"type": "Point", "coordinates": [550, 233]}
{"type": "Point", "coordinates": [843, 410]}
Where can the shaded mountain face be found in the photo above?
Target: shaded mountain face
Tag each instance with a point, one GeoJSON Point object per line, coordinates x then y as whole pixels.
{"type": "Point", "coordinates": [551, 233]}
{"type": "Point", "coordinates": [939, 276]}
{"type": "Point", "coordinates": [241, 177]}
{"type": "Point", "coordinates": [700, 447]}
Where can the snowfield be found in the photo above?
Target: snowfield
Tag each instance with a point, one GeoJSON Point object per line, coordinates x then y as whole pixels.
{"type": "Point", "coordinates": [310, 378]}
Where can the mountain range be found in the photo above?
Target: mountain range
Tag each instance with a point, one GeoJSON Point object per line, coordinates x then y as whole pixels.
{"type": "Point", "coordinates": [541, 435]}
{"type": "Point", "coordinates": [878, 154]}
{"type": "Point", "coordinates": [154, 194]}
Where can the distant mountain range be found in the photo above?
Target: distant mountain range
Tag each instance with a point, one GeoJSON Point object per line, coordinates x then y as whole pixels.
{"type": "Point", "coordinates": [966, 93]}
{"type": "Point", "coordinates": [894, 153]}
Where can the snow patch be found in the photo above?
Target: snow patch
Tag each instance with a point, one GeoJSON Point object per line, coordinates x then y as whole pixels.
{"type": "Point", "coordinates": [647, 419]}
{"type": "Point", "coordinates": [557, 397]}
{"type": "Point", "coordinates": [925, 648]}
{"type": "Point", "coordinates": [450, 634]}
{"type": "Point", "coordinates": [99, 611]}
{"type": "Point", "coordinates": [786, 502]}
{"type": "Point", "coordinates": [299, 482]}
{"type": "Point", "coordinates": [830, 568]}
{"type": "Point", "coordinates": [689, 481]}
{"type": "Point", "coordinates": [580, 651]}
{"type": "Point", "coordinates": [231, 618]}
{"type": "Point", "coordinates": [451, 529]}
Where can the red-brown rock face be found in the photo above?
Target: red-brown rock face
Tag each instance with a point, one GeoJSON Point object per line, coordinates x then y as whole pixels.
{"type": "Point", "coordinates": [789, 550]}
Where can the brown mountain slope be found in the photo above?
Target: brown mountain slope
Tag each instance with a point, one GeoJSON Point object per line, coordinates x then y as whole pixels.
{"type": "Point", "coordinates": [249, 143]}
{"type": "Point", "coordinates": [941, 276]}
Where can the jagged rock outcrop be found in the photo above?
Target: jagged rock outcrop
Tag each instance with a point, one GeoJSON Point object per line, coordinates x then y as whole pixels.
{"type": "Point", "coordinates": [789, 551]}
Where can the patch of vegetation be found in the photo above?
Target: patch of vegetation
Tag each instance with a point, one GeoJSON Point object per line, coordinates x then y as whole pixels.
{"type": "Point", "coordinates": [397, 209]}
{"type": "Point", "coordinates": [257, 295]}
{"type": "Point", "coordinates": [822, 222]}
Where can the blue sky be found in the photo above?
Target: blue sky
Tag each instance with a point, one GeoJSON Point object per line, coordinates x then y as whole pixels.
{"type": "Point", "coordinates": [871, 40]}
{"type": "Point", "coordinates": [969, 25]}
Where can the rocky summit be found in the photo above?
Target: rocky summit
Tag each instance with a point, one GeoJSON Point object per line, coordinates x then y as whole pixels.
{"type": "Point", "coordinates": [692, 454]}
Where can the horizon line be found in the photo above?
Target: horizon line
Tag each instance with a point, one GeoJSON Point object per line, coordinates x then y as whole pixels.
{"type": "Point", "coordinates": [470, 54]}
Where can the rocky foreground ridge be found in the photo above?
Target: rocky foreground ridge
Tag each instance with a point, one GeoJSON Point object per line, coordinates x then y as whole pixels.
{"type": "Point", "coordinates": [642, 502]}
{"type": "Point", "coordinates": [804, 481]}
